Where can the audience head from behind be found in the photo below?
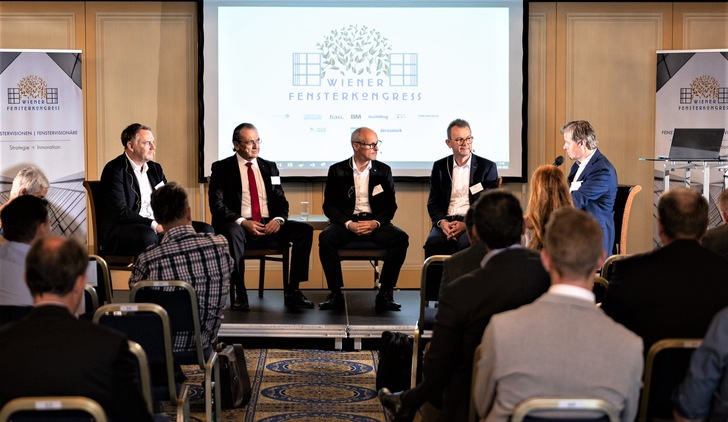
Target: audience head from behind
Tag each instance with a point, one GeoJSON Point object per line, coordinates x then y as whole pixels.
{"type": "Point", "coordinates": [29, 181]}
{"type": "Point", "coordinates": [469, 221]}
{"type": "Point", "coordinates": [549, 192]}
{"type": "Point", "coordinates": [498, 219]}
{"type": "Point", "coordinates": [55, 271]}
{"type": "Point", "coordinates": [25, 218]}
{"type": "Point", "coordinates": [682, 213]}
{"type": "Point", "coordinates": [572, 249]}
{"type": "Point", "coordinates": [171, 206]}
{"type": "Point", "coordinates": [722, 202]}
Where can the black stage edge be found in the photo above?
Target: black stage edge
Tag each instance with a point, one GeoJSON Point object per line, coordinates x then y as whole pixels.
{"type": "Point", "coordinates": [269, 323]}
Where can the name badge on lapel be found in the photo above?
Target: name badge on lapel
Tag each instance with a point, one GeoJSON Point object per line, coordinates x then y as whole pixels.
{"type": "Point", "coordinates": [159, 185]}
{"type": "Point", "coordinates": [275, 180]}
{"type": "Point", "coordinates": [377, 190]}
{"type": "Point", "coordinates": [476, 188]}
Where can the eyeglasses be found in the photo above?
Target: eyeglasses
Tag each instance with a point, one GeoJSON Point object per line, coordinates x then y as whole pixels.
{"type": "Point", "coordinates": [370, 146]}
{"type": "Point", "coordinates": [468, 140]}
{"type": "Point", "coordinates": [146, 143]}
{"type": "Point", "coordinates": [250, 143]}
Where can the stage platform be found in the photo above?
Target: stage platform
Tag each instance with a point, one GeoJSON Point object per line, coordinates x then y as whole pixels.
{"type": "Point", "coordinates": [359, 321]}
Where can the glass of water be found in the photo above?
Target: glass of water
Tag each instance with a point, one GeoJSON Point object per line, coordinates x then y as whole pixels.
{"type": "Point", "coordinates": [304, 210]}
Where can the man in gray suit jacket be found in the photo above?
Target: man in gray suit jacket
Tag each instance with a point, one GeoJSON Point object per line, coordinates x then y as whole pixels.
{"type": "Point", "coordinates": [548, 348]}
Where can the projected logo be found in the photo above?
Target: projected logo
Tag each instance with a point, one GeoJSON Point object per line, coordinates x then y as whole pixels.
{"type": "Point", "coordinates": [704, 89]}
{"type": "Point", "coordinates": [355, 51]}
{"type": "Point", "coordinates": [32, 93]}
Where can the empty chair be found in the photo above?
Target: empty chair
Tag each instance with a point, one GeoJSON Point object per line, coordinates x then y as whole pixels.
{"type": "Point", "coordinates": [52, 408]}
{"type": "Point", "coordinates": [572, 408]}
{"type": "Point", "coordinates": [430, 278]}
{"type": "Point", "coordinates": [99, 276]}
{"type": "Point", "coordinates": [622, 209]}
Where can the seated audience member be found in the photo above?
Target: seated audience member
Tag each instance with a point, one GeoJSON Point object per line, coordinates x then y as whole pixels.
{"type": "Point", "coordinates": [549, 192]}
{"type": "Point", "coordinates": [28, 181]}
{"type": "Point", "coordinates": [653, 293]}
{"type": "Point", "coordinates": [456, 182]}
{"type": "Point", "coordinates": [126, 225]}
{"type": "Point", "coordinates": [52, 353]}
{"type": "Point", "coordinates": [510, 276]}
{"type": "Point", "coordinates": [466, 260]}
{"type": "Point", "coordinates": [549, 347]}
{"type": "Point", "coordinates": [716, 239]}
{"type": "Point", "coordinates": [201, 259]}
{"type": "Point", "coordinates": [703, 395]}
{"type": "Point", "coordinates": [26, 219]}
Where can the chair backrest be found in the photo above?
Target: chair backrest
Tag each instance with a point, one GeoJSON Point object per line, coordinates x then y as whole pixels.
{"type": "Point", "coordinates": [103, 279]}
{"type": "Point", "coordinates": [93, 190]}
{"type": "Point", "coordinates": [53, 408]}
{"type": "Point", "coordinates": [430, 279]}
{"type": "Point", "coordinates": [179, 299]}
{"type": "Point", "coordinates": [622, 209]}
{"type": "Point", "coordinates": [600, 289]}
{"type": "Point", "coordinates": [665, 367]}
{"type": "Point", "coordinates": [145, 381]}
{"type": "Point", "coordinates": [608, 265]}
{"type": "Point", "coordinates": [148, 325]}
{"type": "Point", "coordinates": [577, 408]}
{"type": "Point", "coordinates": [91, 300]}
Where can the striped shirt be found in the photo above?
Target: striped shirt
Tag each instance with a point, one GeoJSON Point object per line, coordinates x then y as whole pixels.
{"type": "Point", "coordinates": [200, 259]}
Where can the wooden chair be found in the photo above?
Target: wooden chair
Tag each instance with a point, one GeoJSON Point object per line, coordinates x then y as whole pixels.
{"type": "Point", "coordinates": [564, 406]}
{"type": "Point", "coordinates": [268, 252]}
{"type": "Point", "coordinates": [364, 251]}
{"type": "Point", "coordinates": [665, 367]}
{"type": "Point", "coordinates": [622, 209]}
{"type": "Point", "coordinates": [50, 408]}
{"type": "Point", "coordinates": [430, 278]}
{"type": "Point", "coordinates": [114, 262]}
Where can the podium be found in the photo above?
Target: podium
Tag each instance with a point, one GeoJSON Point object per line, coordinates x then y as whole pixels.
{"type": "Point", "coordinates": [706, 165]}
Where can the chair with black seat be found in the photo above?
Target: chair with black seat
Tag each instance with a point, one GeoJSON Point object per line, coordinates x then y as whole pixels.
{"type": "Point", "coordinates": [99, 276]}
{"type": "Point", "coordinates": [364, 251]}
{"type": "Point", "coordinates": [565, 408]}
{"type": "Point", "coordinates": [91, 301]}
{"type": "Point", "coordinates": [600, 289]}
{"type": "Point", "coordinates": [430, 278]}
{"type": "Point", "coordinates": [666, 364]}
{"type": "Point", "coordinates": [52, 408]}
{"type": "Point", "coordinates": [608, 265]}
{"type": "Point", "coordinates": [114, 262]}
{"type": "Point", "coordinates": [267, 251]}
{"type": "Point", "coordinates": [622, 209]}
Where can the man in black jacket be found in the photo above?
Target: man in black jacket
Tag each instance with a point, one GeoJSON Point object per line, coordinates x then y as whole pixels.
{"type": "Point", "coordinates": [360, 204]}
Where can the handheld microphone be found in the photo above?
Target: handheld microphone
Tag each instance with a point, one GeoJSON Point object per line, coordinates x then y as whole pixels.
{"type": "Point", "coordinates": [558, 161]}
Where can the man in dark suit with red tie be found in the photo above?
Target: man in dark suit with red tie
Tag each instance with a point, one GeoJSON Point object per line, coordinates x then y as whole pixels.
{"type": "Point", "coordinates": [249, 207]}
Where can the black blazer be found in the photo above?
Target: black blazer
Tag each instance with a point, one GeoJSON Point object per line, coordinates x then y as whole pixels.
{"type": "Point", "coordinates": [482, 171]}
{"type": "Point", "coordinates": [511, 278]}
{"type": "Point", "coordinates": [122, 201]}
{"type": "Point", "coordinates": [51, 353]}
{"type": "Point", "coordinates": [226, 190]}
{"type": "Point", "coordinates": [673, 291]}
{"type": "Point", "coordinates": [340, 198]}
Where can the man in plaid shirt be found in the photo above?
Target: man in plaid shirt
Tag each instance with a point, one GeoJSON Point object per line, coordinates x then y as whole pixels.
{"type": "Point", "coordinates": [201, 259]}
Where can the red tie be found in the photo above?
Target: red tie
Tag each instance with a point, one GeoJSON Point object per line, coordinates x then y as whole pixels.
{"type": "Point", "coordinates": [254, 202]}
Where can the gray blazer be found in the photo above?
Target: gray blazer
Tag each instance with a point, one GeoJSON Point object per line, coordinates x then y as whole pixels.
{"type": "Point", "coordinates": [557, 346]}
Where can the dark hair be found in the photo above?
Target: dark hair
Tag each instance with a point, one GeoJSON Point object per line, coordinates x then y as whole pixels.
{"type": "Point", "coordinates": [573, 242]}
{"type": "Point", "coordinates": [22, 216]}
{"type": "Point", "coordinates": [53, 264]}
{"type": "Point", "coordinates": [129, 134]}
{"type": "Point", "coordinates": [581, 132]}
{"type": "Point", "coordinates": [683, 213]}
{"type": "Point", "coordinates": [457, 123]}
{"type": "Point", "coordinates": [238, 128]}
{"type": "Point", "coordinates": [498, 219]}
{"type": "Point", "coordinates": [169, 203]}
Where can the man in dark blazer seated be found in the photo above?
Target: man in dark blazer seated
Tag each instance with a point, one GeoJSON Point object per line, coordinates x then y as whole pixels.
{"type": "Point", "coordinates": [511, 276]}
{"type": "Point", "coordinates": [233, 182]}
{"type": "Point", "coordinates": [675, 290]}
{"type": "Point", "coordinates": [716, 239]}
{"type": "Point", "coordinates": [52, 353]}
{"type": "Point", "coordinates": [593, 178]}
{"type": "Point", "coordinates": [360, 203]}
{"type": "Point", "coordinates": [456, 182]}
{"type": "Point", "coordinates": [126, 223]}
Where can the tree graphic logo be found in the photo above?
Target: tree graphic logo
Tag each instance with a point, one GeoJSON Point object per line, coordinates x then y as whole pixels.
{"type": "Point", "coordinates": [355, 50]}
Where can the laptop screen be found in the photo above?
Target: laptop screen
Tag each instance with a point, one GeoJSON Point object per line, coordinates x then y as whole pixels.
{"type": "Point", "coordinates": [696, 144]}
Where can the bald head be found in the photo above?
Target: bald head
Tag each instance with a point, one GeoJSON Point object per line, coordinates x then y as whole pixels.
{"type": "Point", "coordinates": [682, 214]}
{"type": "Point", "coordinates": [53, 266]}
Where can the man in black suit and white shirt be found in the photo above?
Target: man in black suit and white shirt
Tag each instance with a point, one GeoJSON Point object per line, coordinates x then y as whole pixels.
{"type": "Point", "coordinates": [52, 353]}
{"type": "Point", "coordinates": [126, 223]}
{"type": "Point", "coordinates": [360, 204]}
{"type": "Point", "coordinates": [456, 182]}
{"type": "Point", "coordinates": [233, 183]}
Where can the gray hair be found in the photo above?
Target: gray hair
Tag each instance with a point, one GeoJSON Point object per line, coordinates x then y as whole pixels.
{"type": "Point", "coordinates": [32, 180]}
{"type": "Point", "coordinates": [581, 132]}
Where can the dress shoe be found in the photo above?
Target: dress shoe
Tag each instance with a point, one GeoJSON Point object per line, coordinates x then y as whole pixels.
{"type": "Point", "coordinates": [334, 301]}
{"type": "Point", "coordinates": [241, 303]}
{"type": "Point", "coordinates": [385, 302]}
{"type": "Point", "coordinates": [393, 403]}
{"type": "Point", "coordinates": [296, 299]}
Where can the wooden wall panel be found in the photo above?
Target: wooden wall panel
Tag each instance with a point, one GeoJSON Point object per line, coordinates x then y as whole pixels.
{"type": "Point", "coordinates": [701, 26]}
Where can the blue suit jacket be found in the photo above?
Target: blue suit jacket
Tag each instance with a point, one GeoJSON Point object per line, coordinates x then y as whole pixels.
{"type": "Point", "coordinates": [482, 171]}
{"type": "Point", "coordinates": [597, 194]}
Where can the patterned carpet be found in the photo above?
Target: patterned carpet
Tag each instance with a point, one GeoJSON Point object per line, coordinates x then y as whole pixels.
{"type": "Point", "coordinates": [302, 385]}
